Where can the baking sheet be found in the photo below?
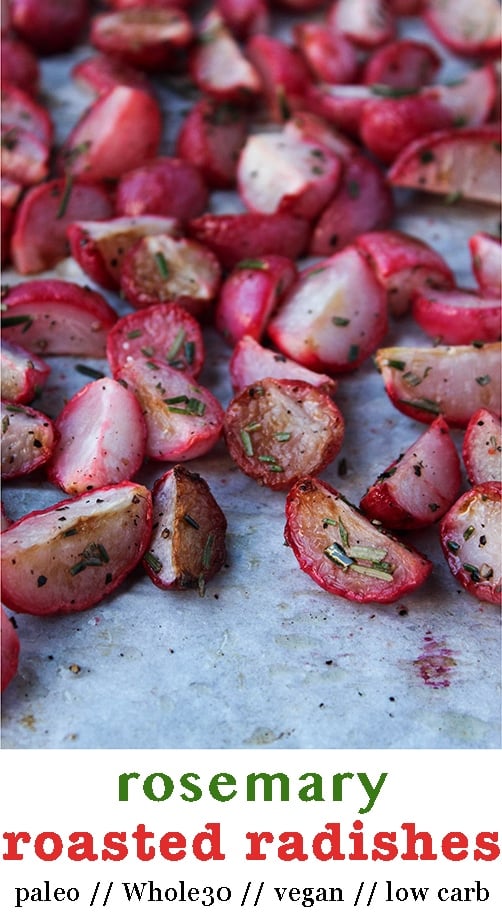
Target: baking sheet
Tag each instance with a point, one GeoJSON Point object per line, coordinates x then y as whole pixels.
{"type": "Point", "coordinates": [265, 658]}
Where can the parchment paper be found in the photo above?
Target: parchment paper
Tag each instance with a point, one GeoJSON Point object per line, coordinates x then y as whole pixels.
{"type": "Point", "coordinates": [266, 658]}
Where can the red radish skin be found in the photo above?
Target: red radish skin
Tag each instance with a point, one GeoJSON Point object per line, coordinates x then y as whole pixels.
{"type": "Point", "coordinates": [418, 488]}
{"type": "Point", "coordinates": [334, 317]}
{"type": "Point", "coordinates": [424, 382]}
{"type": "Point", "coordinates": [402, 64]}
{"type": "Point", "coordinates": [184, 420]}
{"type": "Point", "coordinates": [164, 331]}
{"type": "Point", "coordinates": [250, 361]}
{"type": "Point", "coordinates": [457, 316]}
{"type": "Point", "coordinates": [149, 38]}
{"type": "Point", "coordinates": [28, 440]}
{"type": "Point", "coordinates": [211, 138]}
{"type": "Point", "coordinates": [102, 437]}
{"type": "Point", "coordinates": [486, 254]}
{"type": "Point", "coordinates": [470, 539]}
{"type": "Point", "coordinates": [165, 186]}
{"type": "Point", "coordinates": [72, 555]}
{"type": "Point", "coordinates": [317, 517]}
{"type": "Point", "coordinates": [10, 650]}
{"type": "Point", "coordinates": [279, 430]}
{"type": "Point", "coordinates": [482, 448]}
{"type": "Point", "coordinates": [57, 317]}
{"type": "Point", "coordinates": [236, 237]}
{"type": "Point", "coordinates": [250, 294]}
{"type": "Point", "coordinates": [23, 373]}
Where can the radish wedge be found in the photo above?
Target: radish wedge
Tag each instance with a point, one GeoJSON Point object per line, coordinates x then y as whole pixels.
{"type": "Point", "coordinates": [28, 439]}
{"type": "Point", "coordinates": [250, 361]}
{"type": "Point", "coordinates": [188, 541]}
{"type": "Point", "coordinates": [460, 163]}
{"type": "Point", "coordinates": [183, 419]}
{"type": "Point", "coordinates": [102, 436]}
{"type": "Point", "coordinates": [57, 317]}
{"type": "Point", "coordinates": [10, 649]}
{"type": "Point", "coordinates": [457, 316]}
{"type": "Point", "coordinates": [343, 552]}
{"type": "Point", "coordinates": [334, 317]}
{"type": "Point", "coordinates": [403, 264]}
{"type": "Point", "coordinates": [419, 487]}
{"type": "Point", "coordinates": [466, 28]}
{"type": "Point", "coordinates": [424, 382]}
{"type": "Point", "coordinates": [250, 294]}
{"type": "Point", "coordinates": [486, 254]}
{"type": "Point", "coordinates": [70, 556]}
{"type": "Point", "coordinates": [163, 269]}
{"type": "Point", "coordinates": [99, 246]}
{"type": "Point", "coordinates": [234, 237]}
{"type": "Point", "coordinates": [482, 448]}
{"type": "Point", "coordinates": [23, 373]}
{"type": "Point", "coordinates": [278, 430]}
{"type": "Point", "coordinates": [164, 331]}
{"type": "Point", "coordinates": [470, 539]}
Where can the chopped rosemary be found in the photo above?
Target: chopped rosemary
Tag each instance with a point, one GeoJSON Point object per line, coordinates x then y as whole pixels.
{"type": "Point", "coordinates": [65, 197]}
{"type": "Point", "coordinates": [190, 520]}
{"type": "Point", "coordinates": [343, 534]}
{"type": "Point", "coordinates": [366, 553]}
{"type": "Point", "coordinates": [189, 349]}
{"type": "Point", "coordinates": [453, 546]}
{"type": "Point", "coordinates": [392, 92]}
{"type": "Point", "coordinates": [5, 424]}
{"type": "Point", "coordinates": [208, 551]}
{"type": "Point", "coordinates": [193, 406]}
{"type": "Point", "coordinates": [256, 263]}
{"type": "Point", "coordinates": [88, 371]}
{"type": "Point", "coordinates": [468, 533]}
{"type": "Point", "coordinates": [135, 333]}
{"type": "Point", "coordinates": [148, 351]}
{"type": "Point", "coordinates": [328, 521]}
{"type": "Point", "coordinates": [162, 264]}
{"type": "Point", "coordinates": [153, 562]}
{"type": "Point", "coordinates": [372, 572]}
{"type": "Point", "coordinates": [11, 321]}
{"type": "Point", "coordinates": [247, 443]}
{"type": "Point", "coordinates": [483, 380]}
{"type": "Point", "coordinates": [175, 346]}
{"type": "Point", "coordinates": [282, 436]}
{"type": "Point", "coordinates": [255, 425]}
{"type": "Point", "coordinates": [473, 571]}
{"type": "Point", "coordinates": [423, 404]}
{"type": "Point", "coordinates": [273, 464]}
{"type": "Point", "coordinates": [396, 364]}
{"type": "Point", "coordinates": [336, 553]}
{"type": "Point", "coordinates": [151, 365]}
{"type": "Point", "coordinates": [176, 400]}
{"type": "Point", "coordinates": [340, 321]}
{"type": "Point", "coordinates": [70, 532]}
{"type": "Point", "coordinates": [353, 353]}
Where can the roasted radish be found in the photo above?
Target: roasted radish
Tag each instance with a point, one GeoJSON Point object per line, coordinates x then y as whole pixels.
{"type": "Point", "coordinates": [188, 535]}
{"type": "Point", "coordinates": [184, 420]}
{"type": "Point", "coordinates": [458, 316]}
{"type": "Point", "coordinates": [145, 37]}
{"type": "Point", "coordinates": [424, 382]}
{"type": "Point", "coordinates": [343, 552]}
{"type": "Point", "coordinates": [39, 239]}
{"type": "Point", "coordinates": [164, 331]}
{"type": "Point", "coordinates": [486, 254]}
{"type": "Point", "coordinates": [419, 487]}
{"type": "Point", "coordinates": [161, 268]}
{"type": "Point", "coordinates": [164, 186]}
{"type": "Point", "coordinates": [460, 163]}
{"type": "Point", "coordinates": [218, 66]}
{"type": "Point", "coordinates": [250, 362]}
{"type": "Point", "coordinates": [28, 439]}
{"type": "Point", "coordinates": [250, 294]}
{"type": "Point", "coordinates": [236, 237]}
{"type": "Point", "coordinates": [101, 438]}
{"type": "Point", "coordinates": [482, 449]}
{"type": "Point", "coordinates": [468, 29]}
{"type": "Point", "coordinates": [334, 317]}
{"type": "Point", "coordinates": [404, 264]}
{"type": "Point", "coordinates": [57, 317]}
{"type": "Point", "coordinates": [99, 246]}
{"type": "Point", "coordinates": [470, 539]}
{"type": "Point", "coordinates": [211, 138]}
{"type": "Point", "coordinates": [23, 374]}
{"type": "Point", "coordinates": [278, 430]}
{"type": "Point", "coordinates": [70, 556]}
